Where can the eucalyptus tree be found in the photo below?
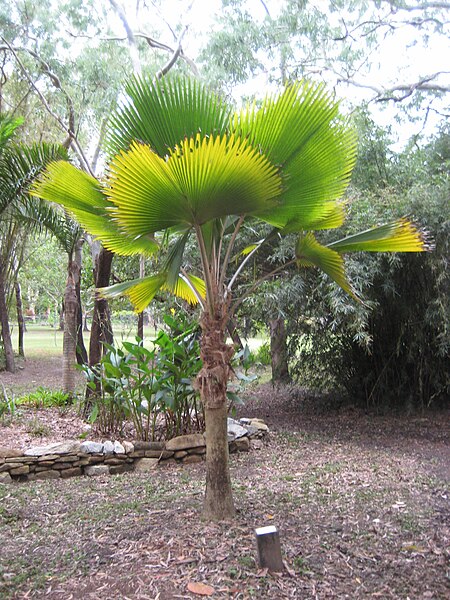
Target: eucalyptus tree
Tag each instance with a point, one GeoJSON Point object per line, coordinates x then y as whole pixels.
{"type": "Point", "coordinates": [19, 165]}
{"type": "Point", "coordinates": [187, 166]}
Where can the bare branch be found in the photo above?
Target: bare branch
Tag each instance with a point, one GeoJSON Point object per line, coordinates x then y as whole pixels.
{"type": "Point", "coordinates": [173, 59]}
{"type": "Point", "coordinates": [72, 140]}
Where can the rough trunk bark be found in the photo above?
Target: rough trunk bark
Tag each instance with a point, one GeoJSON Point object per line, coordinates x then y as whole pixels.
{"type": "Point", "coordinates": [70, 334]}
{"type": "Point", "coordinates": [82, 356]}
{"type": "Point", "coordinates": [212, 383]}
{"type": "Point", "coordinates": [20, 319]}
{"type": "Point", "coordinates": [6, 332]}
{"type": "Point", "coordinates": [101, 330]}
{"type": "Point", "coordinates": [278, 351]}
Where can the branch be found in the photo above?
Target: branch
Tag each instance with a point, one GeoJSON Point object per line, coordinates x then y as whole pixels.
{"type": "Point", "coordinates": [70, 129]}
{"type": "Point", "coordinates": [173, 59]}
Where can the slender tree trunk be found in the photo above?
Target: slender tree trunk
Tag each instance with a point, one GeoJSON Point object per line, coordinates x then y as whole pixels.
{"type": "Point", "coordinates": [82, 356]}
{"type": "Point", "coordinates": [140, 327]}
{"type": "Point", "coordinates": [6, 332]}
{"type": "Point", "coordinates": [20, 319]}
{"type": "Point", "coordinates": [212, 382]}
{"type": "Point", "coordinates": [101, 330]}
{"type": "Point", "coordinates": [70, 334]}
{"type": "Point", "coordinates": [61, 315]}
{"type": "Point", "coordinates": [278, 351]}
{"type": "Point", "coordinates": [232, 330]}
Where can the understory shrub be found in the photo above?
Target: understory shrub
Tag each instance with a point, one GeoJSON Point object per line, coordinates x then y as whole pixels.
{"type": "Point", "coordinates": [152, 388]}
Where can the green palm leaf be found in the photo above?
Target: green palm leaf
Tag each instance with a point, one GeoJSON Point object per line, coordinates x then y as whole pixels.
{"type": "Point", "coordinates": [300, 130]}
{"type": "Point", "coordinates": [84, 198]}
{"type": "Point", "coordinates": [164, 112]}
{"type": "Point", "coordinates": [310, 253]}
{"type": "Point", "coordinates": [203, 179]}
{"type": "Point", "coordinates": [142, 291]}
{"type": "Point", "coordinates": [398, 236]}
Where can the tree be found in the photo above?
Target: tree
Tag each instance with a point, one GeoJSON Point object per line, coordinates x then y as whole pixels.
{"type": "Point", "coordinates": [19, 165]}
{"type": "Point", "coordinates": [346, 43]}
{"type": "Point", "coordinates": [185, 165]}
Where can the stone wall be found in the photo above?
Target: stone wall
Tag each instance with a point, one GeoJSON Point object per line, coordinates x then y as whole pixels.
{"type": "Point", "coordinates": [74, 458]}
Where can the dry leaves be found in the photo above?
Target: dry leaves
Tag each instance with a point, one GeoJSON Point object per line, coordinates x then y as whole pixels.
{"type": "Point", "coordinates": [200, 589]}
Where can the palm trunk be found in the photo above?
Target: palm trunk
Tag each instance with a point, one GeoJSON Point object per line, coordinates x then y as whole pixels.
{"type": "Point", "coordinates": [212, 383]}
{"type": "Point", "coordinates": [6, 332]}
{"type": "Point", "coordinates": [20, 319]}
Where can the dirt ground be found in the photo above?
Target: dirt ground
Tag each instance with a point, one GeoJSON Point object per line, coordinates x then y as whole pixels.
{"type": "Point", "coordinates": [361, 503]}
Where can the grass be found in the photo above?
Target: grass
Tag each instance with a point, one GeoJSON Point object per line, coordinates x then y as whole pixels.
{"type": "Point", "coordinates": [43, 341]}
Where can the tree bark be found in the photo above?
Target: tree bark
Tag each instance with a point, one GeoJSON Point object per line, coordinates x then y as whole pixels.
{"type": "Point", "coordinates": [82, 356]}
{"type": "Point", "coordinates": [212, 382]}
{"type": "Point", "coordinates": [278, 351]}
{"type": "Point", "coordinates": [20, 319]}
{"type": "Point", "coordinates": [70, 332]}
{"type": "Point", "coordinates": [6, 332]}
{"type": "Point", "coordinates": [101, 330]}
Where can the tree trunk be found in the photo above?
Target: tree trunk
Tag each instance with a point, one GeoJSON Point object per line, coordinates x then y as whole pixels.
{"type": "Point", "coordinates": [20, 319]}
{"type": "Point", "coordinates": [61, 316]}
{"type": "Point", "coordinates": [278, 351]}
{"type": "Point", "coordinates": [82, 356]}
{"type": "Point", "coordinates": [212, 382]}
{"type": "Point", "coordinates": [140, 327]}
{"type": "Point", "coordinates": [101, 330]}
{"type": "Point", "coordinates": [70, 331]}
{"type": "Point", "coordinates": [6, 333]}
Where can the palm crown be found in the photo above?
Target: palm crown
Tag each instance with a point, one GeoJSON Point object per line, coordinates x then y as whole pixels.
{"type": "Point", "coordinates": [185, 163]}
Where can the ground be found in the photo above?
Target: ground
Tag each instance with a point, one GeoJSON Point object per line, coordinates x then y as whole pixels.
{"type": "Point", "coordinates": [361, 503]}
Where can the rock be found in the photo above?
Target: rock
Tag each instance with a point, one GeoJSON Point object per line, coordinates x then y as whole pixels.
{"type": "Point", "coordinates": [116, 469]}
{"type": "Point", "coordinates": [49, 474]}
{"type": "Point", "coordinates": [114, 460]}
{"type": "Point", "coordinates": [242, 444]}
{"type": "Point", "coordinates": [94, 470]}
{"type": "Point", "coordinates": [23, 470]}
{"type": "Point", "coordinates": [24, 460]}
{"type": "Point", "coordinates": [138, 453]}
{"type": "Point", "coordinates": [68, 458]}
{"type": "Point", "coordinates": [5, 478]}
{"type": "Point", "coordinates": [73, 472]}
{"type": "Point", "coordinates": [129, 447]}
{"type": "Point", "coordinates": [149, 445]}
{"type": "Point", "coordinates": [69, 447]}
{"type": "Point", "coordinates": [197, 450]}
{"type": "Point", "coordinates": [91, 447]}
{"type": "Point", "coordinates": [235, 430]}
{"type": "Point", "coordinates": [144, 465]}
{"type": "Point", "coordinates": [6, 467]}
{"type": "Point", "coordinates": [10, 453]}
{"type": "Point", "coordinates": [180, 454]}
{"type": "Point", "coordinates": [192, 459]}
{"type": "Point", "coordinates": [118, 448]}
{"type": "Point", "coordinates": [152, 453]}
{"type": "Point", "coordinates": [183, 442]}
{"type": "Point", "coordinates": [259, 424]}
{"type": "Point", "coordinates": [108, 447]}
{"type": "Point", "coordinates": [48, 458]}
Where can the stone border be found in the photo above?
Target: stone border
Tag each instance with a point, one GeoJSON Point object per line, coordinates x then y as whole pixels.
{"type": "Point", "coordinates": [74, 458]}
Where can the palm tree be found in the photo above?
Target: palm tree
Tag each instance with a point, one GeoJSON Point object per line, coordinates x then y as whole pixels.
{"type": "Point", "coordinates": [185, 165]}
{"type": "Point", "coordinates": [19, 214]}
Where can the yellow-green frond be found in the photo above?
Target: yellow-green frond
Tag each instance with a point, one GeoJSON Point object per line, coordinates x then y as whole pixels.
{"type": "Point", "coordinates": [310, 252]}
{"type": "Point", "coordinates": [399, 236]}
{"type": "Point", "coordinates": [203, 179]}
